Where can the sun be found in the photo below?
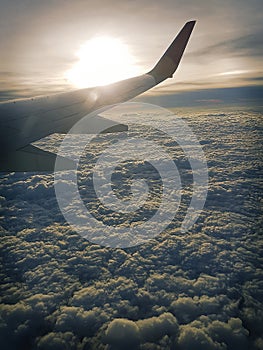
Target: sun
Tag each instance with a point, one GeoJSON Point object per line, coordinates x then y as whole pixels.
{"type": "Point", "coordinates": [101, 61]}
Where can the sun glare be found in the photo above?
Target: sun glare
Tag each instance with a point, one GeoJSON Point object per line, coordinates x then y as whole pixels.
{"type": "Point", "coordinates": [102, 60]}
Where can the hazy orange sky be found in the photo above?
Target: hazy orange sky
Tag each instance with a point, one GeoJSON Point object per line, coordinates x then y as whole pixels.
{"type": "Point", "coordinates": [39, 41]}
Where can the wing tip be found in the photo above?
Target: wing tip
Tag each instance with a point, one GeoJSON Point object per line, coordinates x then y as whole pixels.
{"type": "Point", "coordinates": [170, 60]}
{"type": "Point", "coordinates": [193, 21]}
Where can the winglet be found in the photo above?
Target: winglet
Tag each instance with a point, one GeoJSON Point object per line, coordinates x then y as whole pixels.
{"type": "Point", "coordinates": [169, 62]}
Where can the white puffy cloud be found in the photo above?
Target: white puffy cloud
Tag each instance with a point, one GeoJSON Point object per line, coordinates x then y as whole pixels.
{"type": "Point", "coordinates": [232, 333]}
{"type": "Point", "coordinates": [57, 341]}
{"type": "Point", "coordinates": [155, 328]}
{"type": "Point", "coordinates": [121, 333]}
{"type": "Point", "coordinates": [194, 338]}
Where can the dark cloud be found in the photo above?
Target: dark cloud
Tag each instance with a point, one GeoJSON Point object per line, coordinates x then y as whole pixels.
{"type": "Point", "coordinates": [194, 338]}
{"type": "Point", "coordinates": [57, 341]}
{"type": "Point", "coordinates": [246, 95]}
{"type": "Point", "coordinates": [248, 45]}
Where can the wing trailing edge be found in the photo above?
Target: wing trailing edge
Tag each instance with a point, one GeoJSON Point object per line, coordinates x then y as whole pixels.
{"type": "Point", "coordinates": [31, 158]}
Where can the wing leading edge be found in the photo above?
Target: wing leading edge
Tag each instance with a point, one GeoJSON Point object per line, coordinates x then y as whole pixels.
{"type": "Point", "coordinates": [26, 121]}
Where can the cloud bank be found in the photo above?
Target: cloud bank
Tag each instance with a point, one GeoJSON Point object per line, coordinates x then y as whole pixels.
{"type": "Point", "coordinates": [199, 290]}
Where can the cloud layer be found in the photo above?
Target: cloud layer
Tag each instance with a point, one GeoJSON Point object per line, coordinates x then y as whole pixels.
{"type": "Point", "coordinates": [199, 290]}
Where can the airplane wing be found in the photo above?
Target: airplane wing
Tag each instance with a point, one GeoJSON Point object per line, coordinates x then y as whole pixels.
{"type": "Point", "coordinates": [28, 120]}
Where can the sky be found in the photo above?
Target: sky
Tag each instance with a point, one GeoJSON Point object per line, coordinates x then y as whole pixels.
{"type": "Point", "coordinates": [40, 39]}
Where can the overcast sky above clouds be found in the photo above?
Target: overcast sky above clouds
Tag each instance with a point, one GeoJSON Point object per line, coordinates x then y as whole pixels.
{"type": "Point", "coordinates": [39, 40]}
